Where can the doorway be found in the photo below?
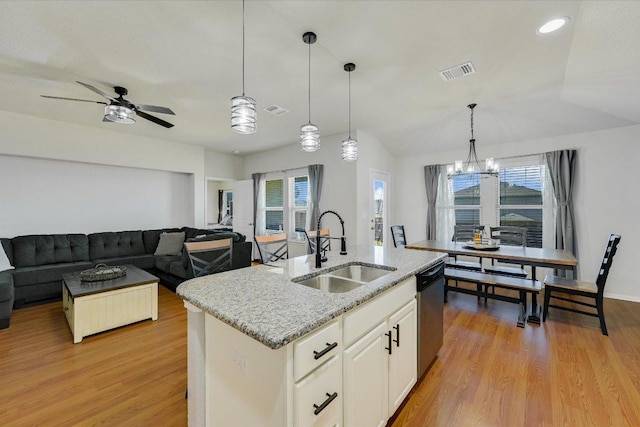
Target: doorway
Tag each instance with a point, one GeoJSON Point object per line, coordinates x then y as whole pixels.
{"type": "Point", "coordinates": [219, 203]}
{"type": "Point", "coordinates": [379, 210]}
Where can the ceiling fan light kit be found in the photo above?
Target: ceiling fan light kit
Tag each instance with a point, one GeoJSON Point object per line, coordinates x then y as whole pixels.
{"type": "Point", "coordinates": [309, 133]}
{"type": "Point", "coordinates": [472, 166]}
{"type": "Point", "coordinates": [244, 116]}
{"type": "Point", "coordinates": [119, 114]}
{"type": "Point", "coordinates": [349, 145]}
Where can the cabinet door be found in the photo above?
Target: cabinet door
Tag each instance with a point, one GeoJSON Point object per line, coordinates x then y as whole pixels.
{"type": "Point", "coordinates": [365, 380]}
{"type": "Point", "coordinates": [403, 363]}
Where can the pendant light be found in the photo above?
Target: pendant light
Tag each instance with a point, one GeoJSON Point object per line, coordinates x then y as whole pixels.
{"type": "Point", "coordinates": [349, 145]}
{"type": "Point", "coordinates": [243, 108]}
{"type": "Point", "coordinates": [472, 164]}
{"type": "Point", "coordinates": [309, 134]}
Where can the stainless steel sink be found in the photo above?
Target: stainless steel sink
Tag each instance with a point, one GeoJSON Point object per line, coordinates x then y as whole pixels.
{"type": "Point", "coordinates": [360, 273]}
{"type": "Point", "coordinates": [331, 284]}
{"type": "Point", "coordinates": [344, 279]}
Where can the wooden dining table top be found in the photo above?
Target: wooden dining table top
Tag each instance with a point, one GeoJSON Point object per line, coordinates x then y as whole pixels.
{"type": "Point", "coordinates": [532, 256]}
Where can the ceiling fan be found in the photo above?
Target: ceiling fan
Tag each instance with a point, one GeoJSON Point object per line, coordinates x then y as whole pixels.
{"type": "Point", "coordinates": [120, 110]}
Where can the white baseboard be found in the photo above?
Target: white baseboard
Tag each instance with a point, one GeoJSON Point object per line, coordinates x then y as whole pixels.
{"type": "Point", "coordinates": [622, 297]}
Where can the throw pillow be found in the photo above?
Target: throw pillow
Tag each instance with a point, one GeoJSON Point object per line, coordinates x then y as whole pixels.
{"type": "Point", "coordinates": [4, 260]}
{"type": "Point", "coordinates": [170, 244]}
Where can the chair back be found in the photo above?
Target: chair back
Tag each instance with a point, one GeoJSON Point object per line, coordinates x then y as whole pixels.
{"type": "Point", "coordinates": [607, 259]}
{"type": "Point", "coordinates": [273, 247]}
{"type": "Point", "coordinates": [464, 233]}
{"type": "Point", "coordinates": [397, 233]}
{"type": "Point", "coordinates": [514, 236]}
{"type": "Point", "coordinates": [325, 241]}
{"type": "Point", "coordinates": [209, 256]}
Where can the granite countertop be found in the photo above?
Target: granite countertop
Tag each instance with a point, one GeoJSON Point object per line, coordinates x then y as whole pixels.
{"type": "Point", "coordinates": [265, 304]}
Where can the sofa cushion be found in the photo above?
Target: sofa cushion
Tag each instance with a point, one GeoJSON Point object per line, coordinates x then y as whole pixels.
{"type": "Point", "coordinates": [163, 262]}
{"type": "Point", "coordinates": [35, 250]}
{"type": "Point", "coordinates": [152, 237]}
{"type": "Point", "coordinates": [5, 264]}
{"type": "Point", "coordinates": [8, 248]}
{"type": "Point", "coordinates": [25, 276]}
{"type": "Point", "coordinates": [6, 287]}
{"type": "Point", "coordinates": [115, 245]}
{"type": "Point", "coordinates": [140, 261]}
{"type": "Point", "coordinates": [170, 244]}
{"type": "Point", "coordinates": [177, 269]}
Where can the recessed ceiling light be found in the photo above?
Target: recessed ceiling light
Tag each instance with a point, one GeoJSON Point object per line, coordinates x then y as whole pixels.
{"type": "Point", "coordinates": [553, 25]}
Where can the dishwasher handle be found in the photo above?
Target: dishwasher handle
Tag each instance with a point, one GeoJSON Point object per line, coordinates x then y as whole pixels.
{"type": "Point", "coordinates": [430, 275]}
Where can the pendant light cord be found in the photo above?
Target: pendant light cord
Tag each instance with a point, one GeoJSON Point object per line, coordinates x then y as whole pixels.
{"type": "Point", "coordinates": [349, 104]}
{"type": "Point", "coordinates": [472, 124]}
{"type": "Point", "coordinates": [242, 47]}
{"type": "Point", "coordinates": [309, 82]}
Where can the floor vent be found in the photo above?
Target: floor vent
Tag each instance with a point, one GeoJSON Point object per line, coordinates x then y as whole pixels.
{"type": "Point", "coordinates": [457, 72]}
{"type": "Point", "coordinates": [276, 110]}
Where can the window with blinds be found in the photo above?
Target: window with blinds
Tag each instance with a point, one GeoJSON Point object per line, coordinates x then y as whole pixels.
{"type": "Point", "coordinates": [520, 200]}
{"type": "Point", "coordinates": [467, 199]}
{"type": "Point", "coordinates": [286, 204]}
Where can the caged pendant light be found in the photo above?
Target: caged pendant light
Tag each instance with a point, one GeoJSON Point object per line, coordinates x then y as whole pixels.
{"type": "Point", "coordinates": [472, 164]}
{"type": "Point", "coordinates": [309, 133]}
{"type": "Point", "coordinates": [349, 145]}
{"type": "Point", "coordinates": [243, 108]}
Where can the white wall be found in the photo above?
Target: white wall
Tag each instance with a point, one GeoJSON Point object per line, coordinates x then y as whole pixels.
{"type": "Point", "coordinates": [219, 165]}
{"type": "Point", "coordinates": [339, 184]}
{"type": "Point", "coordinates": [606, 197]}
{"type": "Point", "coordinates": [53, 196]}
{"type": "Point", "coordinates": [31, 137]}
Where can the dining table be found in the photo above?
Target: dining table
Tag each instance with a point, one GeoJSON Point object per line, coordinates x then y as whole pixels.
{"type": "Point", "coordinates": [533, 257]}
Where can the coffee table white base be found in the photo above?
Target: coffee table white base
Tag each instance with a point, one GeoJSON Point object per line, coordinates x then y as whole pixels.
{"type": "Point", "coordinates": [100, 312]}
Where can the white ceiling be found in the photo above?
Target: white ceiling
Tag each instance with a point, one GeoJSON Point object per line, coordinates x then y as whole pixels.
{"type": "Point", "coordinates": [187, 56]}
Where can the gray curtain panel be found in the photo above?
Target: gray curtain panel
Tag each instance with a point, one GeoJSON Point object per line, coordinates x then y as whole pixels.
{"type": "Point", "coordinates": [316, 174]}
{"type": "Point", "coordinates": [256, 189]}
{"type": "Point", "coordinates": [220, 192]}
{"type": "Point", "coordinates": [562, 165]}
{"type": "Point", "coordinates": [431, 173]}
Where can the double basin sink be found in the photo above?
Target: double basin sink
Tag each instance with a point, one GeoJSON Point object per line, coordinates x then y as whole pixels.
{"type": "Point", "coordinates": [346, 278]}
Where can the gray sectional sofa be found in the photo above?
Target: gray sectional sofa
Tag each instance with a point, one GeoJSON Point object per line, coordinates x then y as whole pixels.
{"type": "Point", "coordinates": [39, 261]}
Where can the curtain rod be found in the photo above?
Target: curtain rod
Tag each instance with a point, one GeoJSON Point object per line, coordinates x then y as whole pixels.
{"type": "Point", "coordinates": [287, 170]}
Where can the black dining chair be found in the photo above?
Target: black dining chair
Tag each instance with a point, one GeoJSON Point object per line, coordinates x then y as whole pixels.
{"type": "Point", "coordinates": [397, 233]}
{"type": "Point", "coordinates": [512, 236]}
{"type": "Point", "coordinates": [464, 233]}
{"type": "Point", "coordinates": [554, 285]}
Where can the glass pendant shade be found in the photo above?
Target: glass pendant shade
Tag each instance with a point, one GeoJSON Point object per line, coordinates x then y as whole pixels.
{"type": "Point", "coordinates": [349, 150]}
{"type": "Point", "coordinates": [309, 137]}
{"type": "Point", "coordinates": [243, 114]}
{"type": "Point", "coordinates": [119, 114]}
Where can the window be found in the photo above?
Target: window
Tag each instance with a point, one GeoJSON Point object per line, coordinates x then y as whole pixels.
{"type": "Point", "coordinates": [286, 203]}
{"type": "Point", "coordinates": [517, 197]}
{"type": "Point", "coordinates": [520, 201]}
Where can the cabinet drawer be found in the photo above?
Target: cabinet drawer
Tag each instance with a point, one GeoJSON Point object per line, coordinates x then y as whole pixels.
{"type": "Point", "coordinates": [360, 320]}
{"type": "Point", "coordinates": [316, 348]}
{"type": "Point", "coordinates": [318, 397]}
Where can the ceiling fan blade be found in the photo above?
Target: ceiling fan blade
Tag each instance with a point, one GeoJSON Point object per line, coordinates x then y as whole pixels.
{"type": "Point", "coordinates": [98, 91]}
{"type": "Point", "coordinates": [154, 119]}
{"type": "Point", "coordinates": [154, 109]}
{"type": "Point", "coordinates": [73, 99]}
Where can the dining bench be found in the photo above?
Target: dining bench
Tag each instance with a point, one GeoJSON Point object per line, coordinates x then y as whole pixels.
{"type": "Point", "coordinates": [485, 280]}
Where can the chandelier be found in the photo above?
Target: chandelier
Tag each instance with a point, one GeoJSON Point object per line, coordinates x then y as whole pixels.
{"type": "Point", "coordinates": [472, 165]}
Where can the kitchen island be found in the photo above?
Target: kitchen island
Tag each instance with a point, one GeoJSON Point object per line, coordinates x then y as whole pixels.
{"type": "Point", "coordinates": [250, 329]}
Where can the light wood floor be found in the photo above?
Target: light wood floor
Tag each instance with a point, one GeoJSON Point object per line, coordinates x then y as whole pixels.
{"type": "Point", "coordinates": [489, 372]}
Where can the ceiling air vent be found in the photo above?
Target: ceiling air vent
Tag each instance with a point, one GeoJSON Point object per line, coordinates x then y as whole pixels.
{"type": "Point", "coordinates": [457, 72]}
{"type": "Point", "coordinates": [276, 110]}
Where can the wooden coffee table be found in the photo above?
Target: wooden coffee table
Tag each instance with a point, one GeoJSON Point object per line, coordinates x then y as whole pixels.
{"type": "Point", "coordinates": [92, 307]}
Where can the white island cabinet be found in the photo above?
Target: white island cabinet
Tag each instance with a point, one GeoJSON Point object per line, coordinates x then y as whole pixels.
{"type": "Point", "coordinates": [266, 350]}
{"type": "Point", "coordinates": [312, 381]}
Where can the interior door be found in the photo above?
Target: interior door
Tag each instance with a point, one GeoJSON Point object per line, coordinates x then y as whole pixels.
{"type": "Point", "coordinates": [379, 187]}
{"type": "Point", "coordinates": [243, 208]}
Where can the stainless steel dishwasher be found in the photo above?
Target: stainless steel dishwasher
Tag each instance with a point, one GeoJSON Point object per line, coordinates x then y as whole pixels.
{"type": "Point", "coordinates": [430, 295]}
